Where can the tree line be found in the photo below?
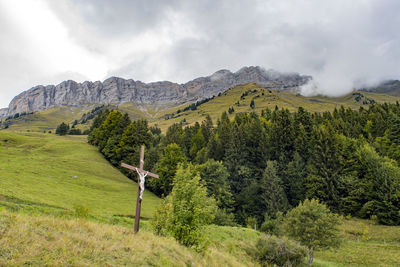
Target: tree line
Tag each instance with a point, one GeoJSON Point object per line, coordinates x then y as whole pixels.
{"type": "Point", "coordinates": [258, 166]}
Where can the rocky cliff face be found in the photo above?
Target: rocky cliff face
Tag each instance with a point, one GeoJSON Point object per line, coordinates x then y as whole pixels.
{"type": "Point", "coordinates": [3, 112]}
{"type": "Point", "coordinates": [391, 87]}
{"type": "Point", "coordinates": [117, 90]}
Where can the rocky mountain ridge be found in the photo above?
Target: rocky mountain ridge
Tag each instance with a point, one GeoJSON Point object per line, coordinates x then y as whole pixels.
{"type": "Point", "coordinates": [390, 87]}
{"type": "Point", "coordinates": [116, 90]}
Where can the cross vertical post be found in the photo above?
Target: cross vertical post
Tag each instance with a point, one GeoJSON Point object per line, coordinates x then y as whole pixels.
{"type": "Point", "coordinates": [139, 200]}
{"type": "Point", "coordinates": [142, 174]}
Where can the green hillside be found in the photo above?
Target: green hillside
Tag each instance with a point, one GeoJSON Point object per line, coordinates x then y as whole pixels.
{"type": "Point", "coordinates": [48, 120]}
{"type": "Point", "coordinates": [44, 240]}
{"type": "Point", "coordinates": [239, 98]}
{"type": "Point", "coordinates": [55, 174]}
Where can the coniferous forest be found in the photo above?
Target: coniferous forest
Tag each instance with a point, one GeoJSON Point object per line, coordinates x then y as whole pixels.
{"type": "Point", "coordinates": [262, 165]}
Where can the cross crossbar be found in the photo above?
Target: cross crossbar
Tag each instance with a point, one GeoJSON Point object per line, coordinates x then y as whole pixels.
{"type": "Point", "coordinates": [133, 168]}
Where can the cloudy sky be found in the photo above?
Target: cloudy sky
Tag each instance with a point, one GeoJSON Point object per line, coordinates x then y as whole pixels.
{"type": "Point", "coordinates": [341, 43]}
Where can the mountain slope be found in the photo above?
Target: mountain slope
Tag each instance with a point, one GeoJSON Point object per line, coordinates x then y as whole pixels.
{"type": "Point", "coordinates": [391, 87]}
{"type": "Point", "coordinates": [45, 171]}
{"type": "Point", "coordinates": [117, 90]}
{"type": "Point", "coordinates": [239, 98]}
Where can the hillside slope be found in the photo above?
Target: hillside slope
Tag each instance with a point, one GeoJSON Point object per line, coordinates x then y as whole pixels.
{"type": "Point", "coordinates": [43, 240]}
{"type": "Point", "coordinates": [239, 98]}
{"type": "Point", "coordinates": [47, 241]}
{"type": "Point", "coordinates": [49, 172]}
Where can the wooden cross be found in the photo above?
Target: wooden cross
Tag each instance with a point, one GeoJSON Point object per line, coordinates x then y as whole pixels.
{"type": "Point", "coordinates": [142, 174]}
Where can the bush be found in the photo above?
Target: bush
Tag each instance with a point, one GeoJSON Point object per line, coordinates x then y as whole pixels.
{"type": "Point", "coordinates": [224, 218]}
{"type": "Point", "coordinates": [62, 129]}
{"type": "Point", "coordinates": [251, 222]}
{"type": "Point", "coordinates": [75, 132]}
{"type": "Point", "coordinates": [272, 226]}
{"type": "Point", "coordinates": [186, 210]}
{"type": "Point", "coordinates": [279, 251]}
{"type": "Point", "coordinates": [313, 225]}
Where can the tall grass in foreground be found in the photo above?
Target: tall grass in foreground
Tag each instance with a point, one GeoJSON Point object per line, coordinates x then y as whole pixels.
{"type": "Point", "coordinates": [40, 240]}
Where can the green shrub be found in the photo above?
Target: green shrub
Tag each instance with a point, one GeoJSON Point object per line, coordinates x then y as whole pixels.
{"type": "Point", "coordinates": [186, 210]}
{"type": "Point", "coordinates": [313, 225]}
{"type": "Point", "coordinates": [251, 222]}
{"type": "Point", "coordinates": [272, 226]}
{"type": "Point", "coordinates": [280, 251]}
{"type": "Point", "coordinates": [62, 129]}
{"type": "Point", "coordinates": [224, 218]}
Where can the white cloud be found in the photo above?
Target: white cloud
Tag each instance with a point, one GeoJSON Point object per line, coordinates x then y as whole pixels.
{"type": "Point", "coordinates": [340, 43]}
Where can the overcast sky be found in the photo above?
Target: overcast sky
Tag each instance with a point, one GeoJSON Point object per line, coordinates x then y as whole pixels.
{"type": "Point", "coordinates": [341, 43]}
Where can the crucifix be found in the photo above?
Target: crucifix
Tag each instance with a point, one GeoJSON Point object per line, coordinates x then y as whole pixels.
{"type": "Point", "coordinates": [142, 175]}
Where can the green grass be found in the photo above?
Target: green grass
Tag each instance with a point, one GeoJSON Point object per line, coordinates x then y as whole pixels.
{"type": "Point", "coordinates": [365, 244]}
{"type": "Point", "coordinates": [53, 173]}
{"type": "Point", "coordinates": [48, 241]}
{"type": "Point", "coordinates": [263, 98]}
{"type": "Point", "coordinates": [48, 120]}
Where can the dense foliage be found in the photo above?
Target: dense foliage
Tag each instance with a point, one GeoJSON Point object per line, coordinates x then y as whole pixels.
{"type": "Point", "coordinates": [64, 129]}
{"type": "Point", "coordinates": [271, 250]}
{"type": "Point", "coordinates": [348, 159]}
{"type": "Point", "coordinates": [313, 225]}
{"type": "Point", "coordinates": [186, 210]}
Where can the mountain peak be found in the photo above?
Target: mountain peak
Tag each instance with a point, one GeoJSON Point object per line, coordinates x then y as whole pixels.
{"type": "Point", "coordinates": [115, 90]}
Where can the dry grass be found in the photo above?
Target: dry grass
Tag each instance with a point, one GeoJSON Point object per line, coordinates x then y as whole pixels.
{"type": "Point", "coordinates": [39, 241]}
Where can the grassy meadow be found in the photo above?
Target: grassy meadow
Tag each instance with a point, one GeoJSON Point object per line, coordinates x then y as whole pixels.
{"type": "Point", "coordinates": [49, 172]}
{"type": "Point", "coordinates": [38, 240]}
{"type": "Point", "coordinates": [48, 120]}
{"type": "Point", "coordinates": [43, 240]}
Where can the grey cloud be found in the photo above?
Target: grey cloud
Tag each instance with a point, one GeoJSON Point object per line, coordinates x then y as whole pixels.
{"type": "Point", "coordinates": [341, 43]}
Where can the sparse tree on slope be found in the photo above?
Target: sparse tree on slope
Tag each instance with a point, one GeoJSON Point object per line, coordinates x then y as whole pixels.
{"type": "Point", "coordinates": [313, 225]}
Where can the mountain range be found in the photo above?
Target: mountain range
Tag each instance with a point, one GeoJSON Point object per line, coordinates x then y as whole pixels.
{"type": "Point", "coordinates": [116, 90]}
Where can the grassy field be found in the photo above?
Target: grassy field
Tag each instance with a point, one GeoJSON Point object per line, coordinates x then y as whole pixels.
{"type": "Point", "coordinates": [46, 240]}
{"type": "Point", "coordinates": [364, 244]}
{"type": "Point", "coordinates": [49, 241]}
{"type": "Point", "coordinates": [53, 173]}
{"type": "Point", "coordinates": [48, 120]}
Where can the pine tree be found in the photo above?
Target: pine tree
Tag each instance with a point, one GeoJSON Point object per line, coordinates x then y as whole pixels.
{"type": "Point", "coordinates": [324, 167]}
{"type": "Point", "coordinates": [166, 168]}
{"type": "Point", "coordinates": [62, 129]}
{"type": "Point", "coordinates": [197, 143]}
{"type": "Point", "coordinates": [296, 173]}
{"type": "Point", "coordinates": [394, 128]}
{"type": "Point", "coordinates": [215, 177]}
{"type": "Point", "coordinates": [135, 135]}
{"type": "Point", "coordinates": [273, 196]}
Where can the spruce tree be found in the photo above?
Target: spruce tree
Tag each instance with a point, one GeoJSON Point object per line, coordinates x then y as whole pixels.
{"type": "Point", "coordinates": [166, 168]}
{"type": "Point", "coordinates": [273, 195]}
